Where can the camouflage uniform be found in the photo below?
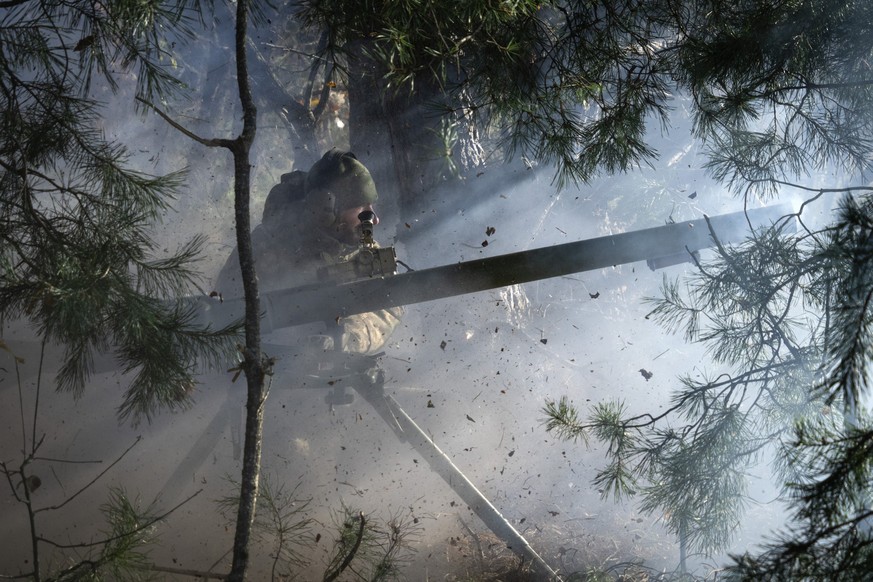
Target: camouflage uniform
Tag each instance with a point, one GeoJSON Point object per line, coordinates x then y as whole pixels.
{"type": "Point", "coordinates": [295, 240]}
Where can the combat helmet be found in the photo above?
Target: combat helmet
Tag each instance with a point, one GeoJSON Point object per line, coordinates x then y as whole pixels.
{"type": "Point", "coordinates": [279, 207]}
{"type": "Point", "coordinates": [336, 182]}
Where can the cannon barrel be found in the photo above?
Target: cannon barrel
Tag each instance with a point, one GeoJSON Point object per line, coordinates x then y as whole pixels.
{"type": "Point", "coordinates": [327, 302]}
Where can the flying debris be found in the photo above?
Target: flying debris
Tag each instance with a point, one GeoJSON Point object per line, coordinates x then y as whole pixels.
{"type": "Point", "coordinates": [84, 43]}
{"type": "Point", "coordinates": [470, 418]}
{"type": "Point", "coordinates": [693, 195]}
{"type": "Point", "coordinates": [594, 295]}
{"type": "Point", "coordinates": [490, 230]}
{"type": "Point", "coordinates": [646, 374]}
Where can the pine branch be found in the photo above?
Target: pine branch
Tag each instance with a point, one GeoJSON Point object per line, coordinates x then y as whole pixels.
{"type": "Point", "coordinates": [348, 553]}
{"type": "Point", "coordinates": [563, 420]}
{"type": "Point", "coordinates": [213, 143]}
{"type": "Point", "coordinates": [89, 484]}
{"type": "Point", "coordinates": [127, 534]}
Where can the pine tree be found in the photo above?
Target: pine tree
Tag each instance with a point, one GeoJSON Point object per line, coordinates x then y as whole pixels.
{"type": "Point", "coordinates": [582, 85]}
{"type": "Point", "coordinates": [573, 84]}
{"type": "Point", "coordinates": [781, 90]}
{"type": "Point", "coordinates": [77, 257]}
{"type": "Point", "coordinates": [826, 462]}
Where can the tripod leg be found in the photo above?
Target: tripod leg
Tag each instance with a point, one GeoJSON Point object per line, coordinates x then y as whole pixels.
{"type": "Point", "coordinates": [407, 430]}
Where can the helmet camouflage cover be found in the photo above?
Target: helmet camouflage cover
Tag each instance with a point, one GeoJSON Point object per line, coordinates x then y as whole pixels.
{"type": "Point", "coordinates": [336, 182]}
{"type": "Point", "coordinates": [278, 207]}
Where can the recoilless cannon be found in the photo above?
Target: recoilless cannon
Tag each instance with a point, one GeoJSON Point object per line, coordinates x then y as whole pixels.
{"type": "Point", "coordinates": [375, 285]}
{"type": "Point", "coordinates": [371, 283]}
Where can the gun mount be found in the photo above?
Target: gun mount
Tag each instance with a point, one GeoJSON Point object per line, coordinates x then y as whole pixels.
{"type": "Point", "coordinates": [370, 260]}
{"type": "Point", "coordinates": [659, 246]}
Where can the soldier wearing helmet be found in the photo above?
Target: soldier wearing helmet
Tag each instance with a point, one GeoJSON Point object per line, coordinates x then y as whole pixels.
{"type": "Point", "coordinates": [338, 189]}
{"type": "Point", "coordinates": [311, 221]}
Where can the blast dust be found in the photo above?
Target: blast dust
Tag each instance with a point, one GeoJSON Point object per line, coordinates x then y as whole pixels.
{"type": "Point", "coordinates": [481, 556]}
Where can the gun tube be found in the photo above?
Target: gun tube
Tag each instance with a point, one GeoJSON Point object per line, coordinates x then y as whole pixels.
{"type": "Point", "coordinates": [327, 302]}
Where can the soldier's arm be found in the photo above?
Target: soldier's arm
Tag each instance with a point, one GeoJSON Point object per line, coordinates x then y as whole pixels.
{"type": "Point", "coordinates": [367, 333]}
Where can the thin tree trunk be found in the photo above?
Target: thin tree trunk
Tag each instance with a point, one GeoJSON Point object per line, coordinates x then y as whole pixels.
{"type": "Point", "coordinates": [252, 365]}
{"type": "Point", "coordinates": [301, 119]}
{"type": "Point", "coordinates": [398, 136]}
{"type": "Point", "coordinates": [369, 138]}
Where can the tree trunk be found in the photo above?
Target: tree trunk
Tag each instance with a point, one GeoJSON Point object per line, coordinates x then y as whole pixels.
{"type": "Point", "coordinates": [399, 135]}
{"type": "Point", "coordinates": [421, 158]}
{"type": "Point", "coordinates": [369, 138]}
{"type": "Point", "coordinates": [253, 365]}
{"type": "Point", "coordinates": [301, 121]}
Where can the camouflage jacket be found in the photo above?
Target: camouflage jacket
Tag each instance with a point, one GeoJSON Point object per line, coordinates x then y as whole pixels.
{"type": "Point", "coordinates": [286, 258]}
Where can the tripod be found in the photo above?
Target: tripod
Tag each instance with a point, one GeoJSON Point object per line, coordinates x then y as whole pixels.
{"type": "Point", "coordinates": [367, 379]}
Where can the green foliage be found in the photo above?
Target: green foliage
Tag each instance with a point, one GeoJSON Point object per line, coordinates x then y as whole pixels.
{"type": "Point", "coordinates": [830, 537]}
{"type": "Point", "coordinates": [562, 418]}
{"type": "Point", "coordinates": [131, 531]}
{"type": "Point", "coordinates": [788, 318]}
{"type": "Point", "coordinates": [778, 88]}
{"type": "Point", "coordinates": [123, 552]}
{"type": "Point", "coordinates": [615, 478]}
{"type": "Point", "coordinates": [828, 459]}
{"type": "Point", "coordinates": [283, 519]}
{"type": "Point", "coordinates": [377, 550]}
{"type": "Point", "coordinates": [849, 340]}
{"type": "Point", "coordinates": [76, 256]}
{"type": "Point", "coordinates": [533, 72]}
{"type": "Point", "coordinates": [781, 87]}
{"type": "Point", "coordinates": [363, 547]}
{"type": "Point", "coordinates": [281, 524]}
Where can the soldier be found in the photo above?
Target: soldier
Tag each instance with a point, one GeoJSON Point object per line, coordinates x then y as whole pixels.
{"type": "Point", "coordinates": [311, 221]}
